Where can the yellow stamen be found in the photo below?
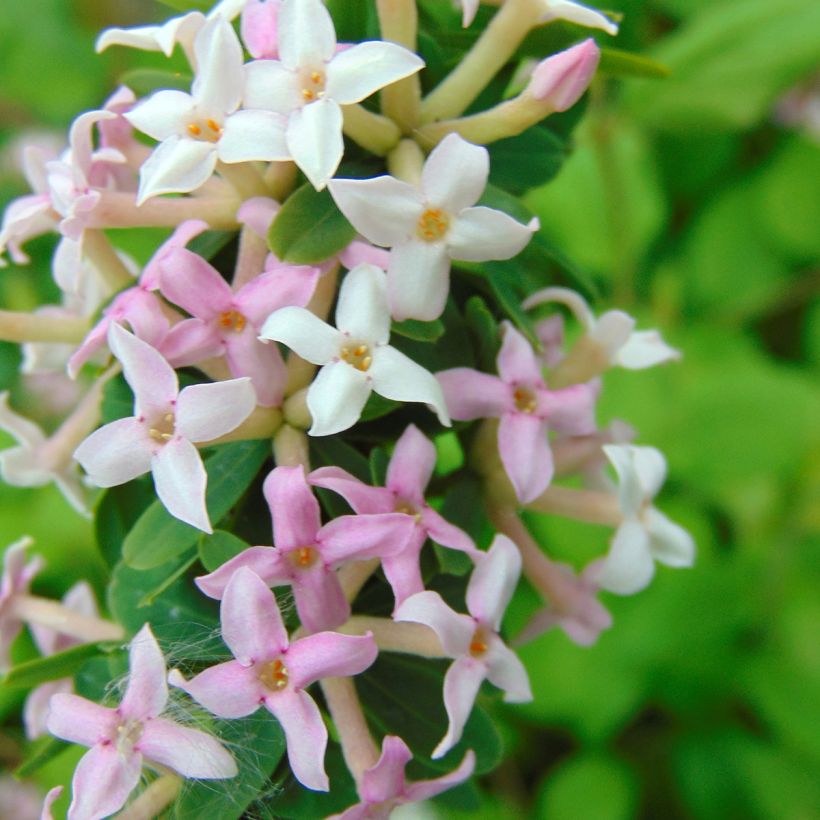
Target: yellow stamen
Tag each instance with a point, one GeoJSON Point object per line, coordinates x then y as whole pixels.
{"type": "Point", "coordinates": [358, 356]}
{"type": "Point", "coordinates": [194, 130]}
{"type": "Point", "coordinates": [274, 676]}
{"type": "Point", "coordinates": [433, 224]}
{"type": "Point", "coordinates": [164, 431]}
{"type": "Point", "coordinates": [478, 645]}
{"type": "Point", "coordinates": [232, 320]}
{"type": "Point", "coordinates": [525, 400]}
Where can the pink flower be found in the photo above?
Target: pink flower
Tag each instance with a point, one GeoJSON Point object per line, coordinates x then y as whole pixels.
{"type": "Point", "coordinates": [16, 579]}
{"type": "Point", "coordinates": [307, 554]}
{"type": "Point", "coordinates": [270, 671]}
{"type": "Point", "coordinates": [473, 640]}
{"type": "Point", "coordinates": [527, 409]}
{"type": "Point", "coordinates": [260, 29]}
{"type": "Point", "coordinates": [563, 77]}
{"type": "Point", "coordinates": [233, 320]}
{"type": "Point", "coordinates": [383, 787]}
{"type": "Point", "coordinates": [408, 474]}
{"type": "Point", "coordinates": [160, 435]}
{"type": "Point", "coordinates": [121, 739]}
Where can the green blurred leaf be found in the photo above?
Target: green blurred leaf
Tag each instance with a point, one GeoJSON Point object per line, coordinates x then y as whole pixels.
{"type": "Point", "coordinates": [309, 228]}
{"type": "Point", "coordinates": [619, 63]}
{"type": "Point", "coordinates": [217, 549]}
{"type": "Point", "coordinates": [379, 462]}
{"type": "Point", "coordinates": [333, 451]}
{"type": "Point", "coordinates": [117, 512]}
{"type": "Point", "coordinates": [42, 751]}
{"type": "Point", "coordinates": [158, 537]}
{"type": "Point", "coordinates": [420, 331]}
{"type": "Point", "coordinates": [118, 400]}
{"type": "Point", "coordinates": [484, 330]}
{"type": "Point", "coordinates": [145, 81]}
{"type": "Point", "coordinates": [527, 160]}
{"type": "Point", "coordinates": [52, 667]}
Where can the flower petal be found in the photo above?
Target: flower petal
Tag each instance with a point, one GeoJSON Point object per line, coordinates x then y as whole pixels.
{"type": "Point", "coordinates": [361, 70]}
{"type": "Point", "coordinates": [147, 691]}
{"type": "Point", "coordinates": [293, 508]}
{"type": "Point", "coordinates": [116, 453]}
{"type": "Point", "coordinates": [328, 655]}
{"type": "Point", "coordinates": [188, 751]}
{"type": "Point", "coordinates": [505, 670]}
{"type": "Point", "coordinates": [262, 363]}
{"type": "Point", "coordinates": [443, 532]}
{"type": "Point", "coordinates": [208, 411]}
{"type": "Point", "coordinates": [570, 411]}
{"type": "Point", "coordinates": [483, 233]}
{"type": "Point", "coordinates": [270, 86]}
{"type": "Point", "coordinates": [78, 720]}
{"type": "Point", "coordinates": [102, 781]}
{"type": "Point", "coordinates": [418, 280]}
{"type": "Point", "coordinates": [360, 496]}
{"type": "Point", "coordinates": [403, 571]}
{"type": "Point", "coordinates": [252, 625]}
{"type": "Point", "coordinates": [362, 312]}
{"type": "Point", "coordinates": [306, 33]}
{"type": "Point", "coordinates": [493, 582]}
{"type": "Point", "coordinates": [645, 348]}
{"type": "Point", "coordinates": [187, 280]}
{"type": "Point", "coordinates": [669, 543]}
{"type": "Point", "coordinates": [283, 286]}
{"type": "Point", "coordinates": [163, 114]}
{"type": "Point", "coordinates": [217, 87]}
{"type": "Point", "coordinates": [177, 166]}
{"type": "Point", "coordinates": [384, 209]}
{"type": "Point", "coordinates": [455, 631]}
{"type": "Point", "coordinates": [455, 174]}
{"type": "Point", "coordinates": [320, 601]}
{"type": "Point", "coordinates": [473, 395]}
{"type": "Point", "coordinates": [314, 139]}
{"type": "Point", "coordinates": [229, 690]}
{"type": "Point", "coordinates": [461, 684]}
{"type": "Point", "coordinates": [267, 562]}
{"type": "Point", "coordinates": [579, 14]}
{"type": "Point", "coordinates": [425, 789]}
{"type": "Point", "coordinates": [411, 465]}
{"type": "Point", "coordinates": [517, 362]}
{"type": "Point", "coordinates": [303, 332]}
{"type": "Point", "coordinates": [36, 707]}
{"type": "Point", "coordinates": [385, 780]}
{"type": "Point", "coordinates": [254, 135]}
{"type": "Point", "coordinates": [180, 480]}
{"type": "Point", "coordinates": [336, 398]}
{"type": "Point", "coordinates": [357, 537]}
{"type": "Point", "coordinates": [396, 376]}
{"type": "Point", "coordinates": [628, 567]}
{"type": "Point", "coordinates": [526, 454]}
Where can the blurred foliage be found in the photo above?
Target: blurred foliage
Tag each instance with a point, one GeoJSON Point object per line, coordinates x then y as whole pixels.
{"type": "Point", "coordinates": [691, 207]}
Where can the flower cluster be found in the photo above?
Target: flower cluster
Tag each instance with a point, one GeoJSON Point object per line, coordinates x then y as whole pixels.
{"type": "Point", "coordinates": [219, 354]}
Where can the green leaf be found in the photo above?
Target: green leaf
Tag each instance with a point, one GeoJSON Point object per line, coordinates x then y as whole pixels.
{"type": "Point", "coordinates": [309, 228]}
{"type": "Point", "coordinates": [258, 744]}
{"type": "Point", "coordinates": [420, 331]}
{"type": "Point", "coordinates": [379, 462]}
{"type": "Point", "coordinates": [464, 507]}
{"type": "Point", "coordinates": [619, 63]}
{"type": "Point", "coordinates": [158, 537]}
{"type": "Point", "coordinates": [216, 549]}
{"type": "Point", "coordinates": [332, 451]}
{"type": "Point", "coordinates": [529, 159]}
{"type": "Point", "coordinates": [117, 401]}
{"type": "Point", "coordinates": [210, 243]}
{"type": "Point", "coordinates": [484, 330]}
{"type": "Point", "coordinates": [60, 665]}
{"type": "Point", "coordinates": [378, 406]}
{"type": "Point", "coordinates": [188, 5]}
{"type": "Point", "coordinates": [145, 81]}
{"type": "Point", "coordinates": [504, 279]}
{"type": "Point", "coordinates": [44, 750]}
{"type": "Point", "coordinates": [118, 510]}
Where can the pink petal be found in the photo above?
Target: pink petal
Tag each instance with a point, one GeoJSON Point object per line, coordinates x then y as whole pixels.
{"type": "Point", "coordinates": [425, 789]}
{"type": "Point", "coordinates": [328, 655]}
{"type": "Point", "coordinates": [570, 411]}
{"type": "Point", "coordinates": [262, 363]}
{"type": "Point", "coordinates": [180, 480]}
{"type": "Point", "coordinates": [517, 362]}
{"type": "Point", "coordinates": [293, 508]}
{"type": "Point", "coordinates": [455, 174]}
{"type": "Point", "coordinates": [461, 684]}
{"type": "Point", "coordinates": [182, 235]}
{"type": "Point", "coordinates": [358, 252]}
{"type": "Point", "coordinates": [36, 707]}
{"type": "Point", "coordinates": [102, 781]}
{"type": "Point", "coordinates": [251, 623]}
{"type": "Point", "coordinates": [526, 454]}
{"type": "Point", "coordinates": [411, 465]}
{"type": "Point", "coordinates": [448, 535]}
{"type": "Point", "coordinates": [229, 689]}
{"type": "Point", "coordinates": [385, 780]}
{"type": "Point", "coordinates": [455, 631]}
{"type": "Point", "coordinates": [190, 341]}
{"type": "Point", "coordinates": [418, 280]}
{"type": "Point", "coordinates": [271, 565]}
{"type": "Point", "coordinates": [403, 572]}
{"type": "Point", "coordinates": [258, 213]}
{"type": "Point", "coordinates": [362, 497]}
{"type": "Point", "coordinates": [278, 288]}
{"type": "Point", "coordinates": [116, 453]}
{"type": "Point", "coordinates": [357, 537]}
{"type": "Point", "coordinates": [187, 280]}
{"type": "Point", "coordinates": [188, 751]}
{"type": "Point", "coordinates": [493, 582]}
{"type": "Point", "coordinates": [473, 395]}
{"type": "Point", "coordinates": [207, 411]}
{"type": "Point", "coordinates": [320, 601]}
{"type": "Point", "coordinates": [260, 30]}
{"type": "Point", "coordinates": [565, 76]}
{"type": "Point", "coordinates": [305, 733]}
{"type": "Point", "coordinates": [51, 798]}
{"type": "Point", "coordinates": [147, 691]}
{"type": "Point", "coordinates": [151, 378]}
{"type": "Point", "coordinates": [78, 720]}
{"type": "Point", "coordinates": [505, 670]}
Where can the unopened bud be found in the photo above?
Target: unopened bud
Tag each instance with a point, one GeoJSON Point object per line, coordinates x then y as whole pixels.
{"type": "Point", "coordinates": [562, 78]}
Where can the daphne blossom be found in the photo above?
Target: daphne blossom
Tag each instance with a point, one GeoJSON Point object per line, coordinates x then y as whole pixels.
{"type": "Point", "coordinates": [356, 358]}
{"type": "Point", "coordinates": [428, 225]}
{"type": "Point", "coordinates": [16, 579]}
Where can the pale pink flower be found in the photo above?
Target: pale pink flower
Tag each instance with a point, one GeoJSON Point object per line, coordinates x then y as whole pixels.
{"type": "Point", "coordinates": [526, 408]}
{"type": "Point", "coordinates": [356, 358]}
{"type": "Point", "coordinates": [122, 739]}
{"type": "Point", "coordinates": [160, 436]}
{"type": "Point", "coordinates": [307, 554]}
{"type": "Point", "coordinates": [259, 27]}
{"type": "Point", "coordinates": [562, 78]}
{"type": "Point", "coordinates": [311, 81]}
{"type": "Point", "coordinates": [16, 579]}
{"type": "Point", "coordinates": [473, 640]}
{"type": "Point", "coordinates": [429, 225]}
{"type": "Point", "coordinates": [50, 799]}
{"type": "Point", "coordinates": [270, 671]}
{"type": "Point", "coordinates": [383, 787]}
{"type": "Point", "coordinates": [408, 473]}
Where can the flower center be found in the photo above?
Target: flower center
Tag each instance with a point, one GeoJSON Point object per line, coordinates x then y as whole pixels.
{"type": "Point", "coordinates": [163, 430]}
{"type": "Point", "coordinates": [303, 557]}
{"type": "Point", "coordinates": [313, 85]}
{"type": "Point", "coordinates": [128, 734]}
{"type": "Point", "coordinates": [407, 507]}
{"type": "Point", "coordinates": [232, 320]}
{"type": "Point", "coordinates": [433, 224]}
{"type": "Point", "coordinates": [274, 676]}
{"type": "Point", "coordinates": [204, 130]}
{"type": "Point", "coordinates": [525, 400]}
{"type": "Point", "coordinates": [357, 356]}
{"type": "Point", "coordinates": [478, 644]}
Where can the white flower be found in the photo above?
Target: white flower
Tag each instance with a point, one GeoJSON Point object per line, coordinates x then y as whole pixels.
{"type": "Point", "coordinates": [197, 129]}
{"type": "Point", "coordinates": [428, 226]}
{"type": "Point", "coordinates": [646, 534]}
{"type": "Point", "coordinates": [313, 80]}
{"type": "Point", "coordinates": [356, 357]}
{"type": "Point", "coordinates": [577, 13]}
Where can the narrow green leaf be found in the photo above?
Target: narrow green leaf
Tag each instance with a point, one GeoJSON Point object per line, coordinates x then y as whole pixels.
{"type": "Point", "coordinates": [309, 228]}
{"type": "Point", "coordinates": [216, 549]}
{"type": "Point", "coordinates": [60, 665]}
{"type": "Point", "coordinates": [117, 401]}
{"type": "Point", "coordinates": [145, 81]}
{"type": "Point", "coordinates": [379, 461]}
{"type": "Point", "coordinates": [184, 565]}
{"type": "Point", "coordinates": [378, 406]}
{"type": "Point", "coordinates": [619, 63]}
{"type": "Point", "coordinates": [45, 749]}
{"type": "Point", "coordinates": [188, 5]}
{"type": "Point", "coordinates": [158, 537]}
{"type": "Point", "coordinates": [332, 451]}
{"type": "Point", "coordinates": [420, 331]}
{"type": "Point", "coordinates": [527, 160]}
{"type": "Point", "coordinates": [209, 244]}
{"type": "Point", "coordinates": [484, 329]}
{"type": "Point", "coordinates": [504, 281]}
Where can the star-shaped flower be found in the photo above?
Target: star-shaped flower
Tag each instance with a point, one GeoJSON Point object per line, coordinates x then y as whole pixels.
{"type": "Point", "coordinates": [356, 358]}
{"type": "Point", "coordinates": [16, 579]}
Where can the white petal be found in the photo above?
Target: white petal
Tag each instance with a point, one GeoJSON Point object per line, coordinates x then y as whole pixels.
{"type": "Point", "coordinates": [628, 567]}
{"type": "Point", "coordinates": [455, 174]}
{"type": "Point", "coordinates": [217, 87]}
{"type": "Point", "coordinates": [362, 311]}
{"type": "Point", "coordinates": [271, 86]}
{"type": "Point", "coordinates": [24, 431]}
{"type": "Point", "coordinates": [363, 69]}
{"type": "Point", "coordinates": [180, 480]}
{"type": "Point", "coordinates": [612, 331]}
{"type": "Point", "coordinates": [505, 670]}
{"type": "Point", "coordinates": [306, 34]}
{"type": "Point", "coordinates": [314, 137]}
{"type": "Point", "coordinates": [479, 234]}
{"type": "Point", "coordinates": [578, 14]}
{"type": "Point", "coordinates": [493, 581]}
{"type": "Point", "coordinates": [384, 209]}
{"type": "Point", "coordinates": [253, 135]}
{"type": "Point", "coordinates": [177, 166]}
{"type": "Point", "coordinates": [303, 332]}
{"type": "Point", "coordinates": [418, 280]}
{"type": "Point", "coordinates": [670, 543]}
{"type": "Point", "coordinates": [395, 376]}
{"type": "Point", "coordinates": [116, 453]}
{"type": "Point", "coordinates": [154, 38]}
{"type": "Point", "coordinates": [163, 115]}
{"type": "Point", "coordinates": [207, 411]}
{"type": "Point", "coordinates": [645, 348]}
{"type": "Point", "coordinates": [454, 629]}
{"type": "Point", "coordinates": [336, 398]}
{"type": "Point", "coordinates": [631, 495]}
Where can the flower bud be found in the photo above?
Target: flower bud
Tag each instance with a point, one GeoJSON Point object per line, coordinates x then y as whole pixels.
{"type": "Point", "coordinates": [562, 78]}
